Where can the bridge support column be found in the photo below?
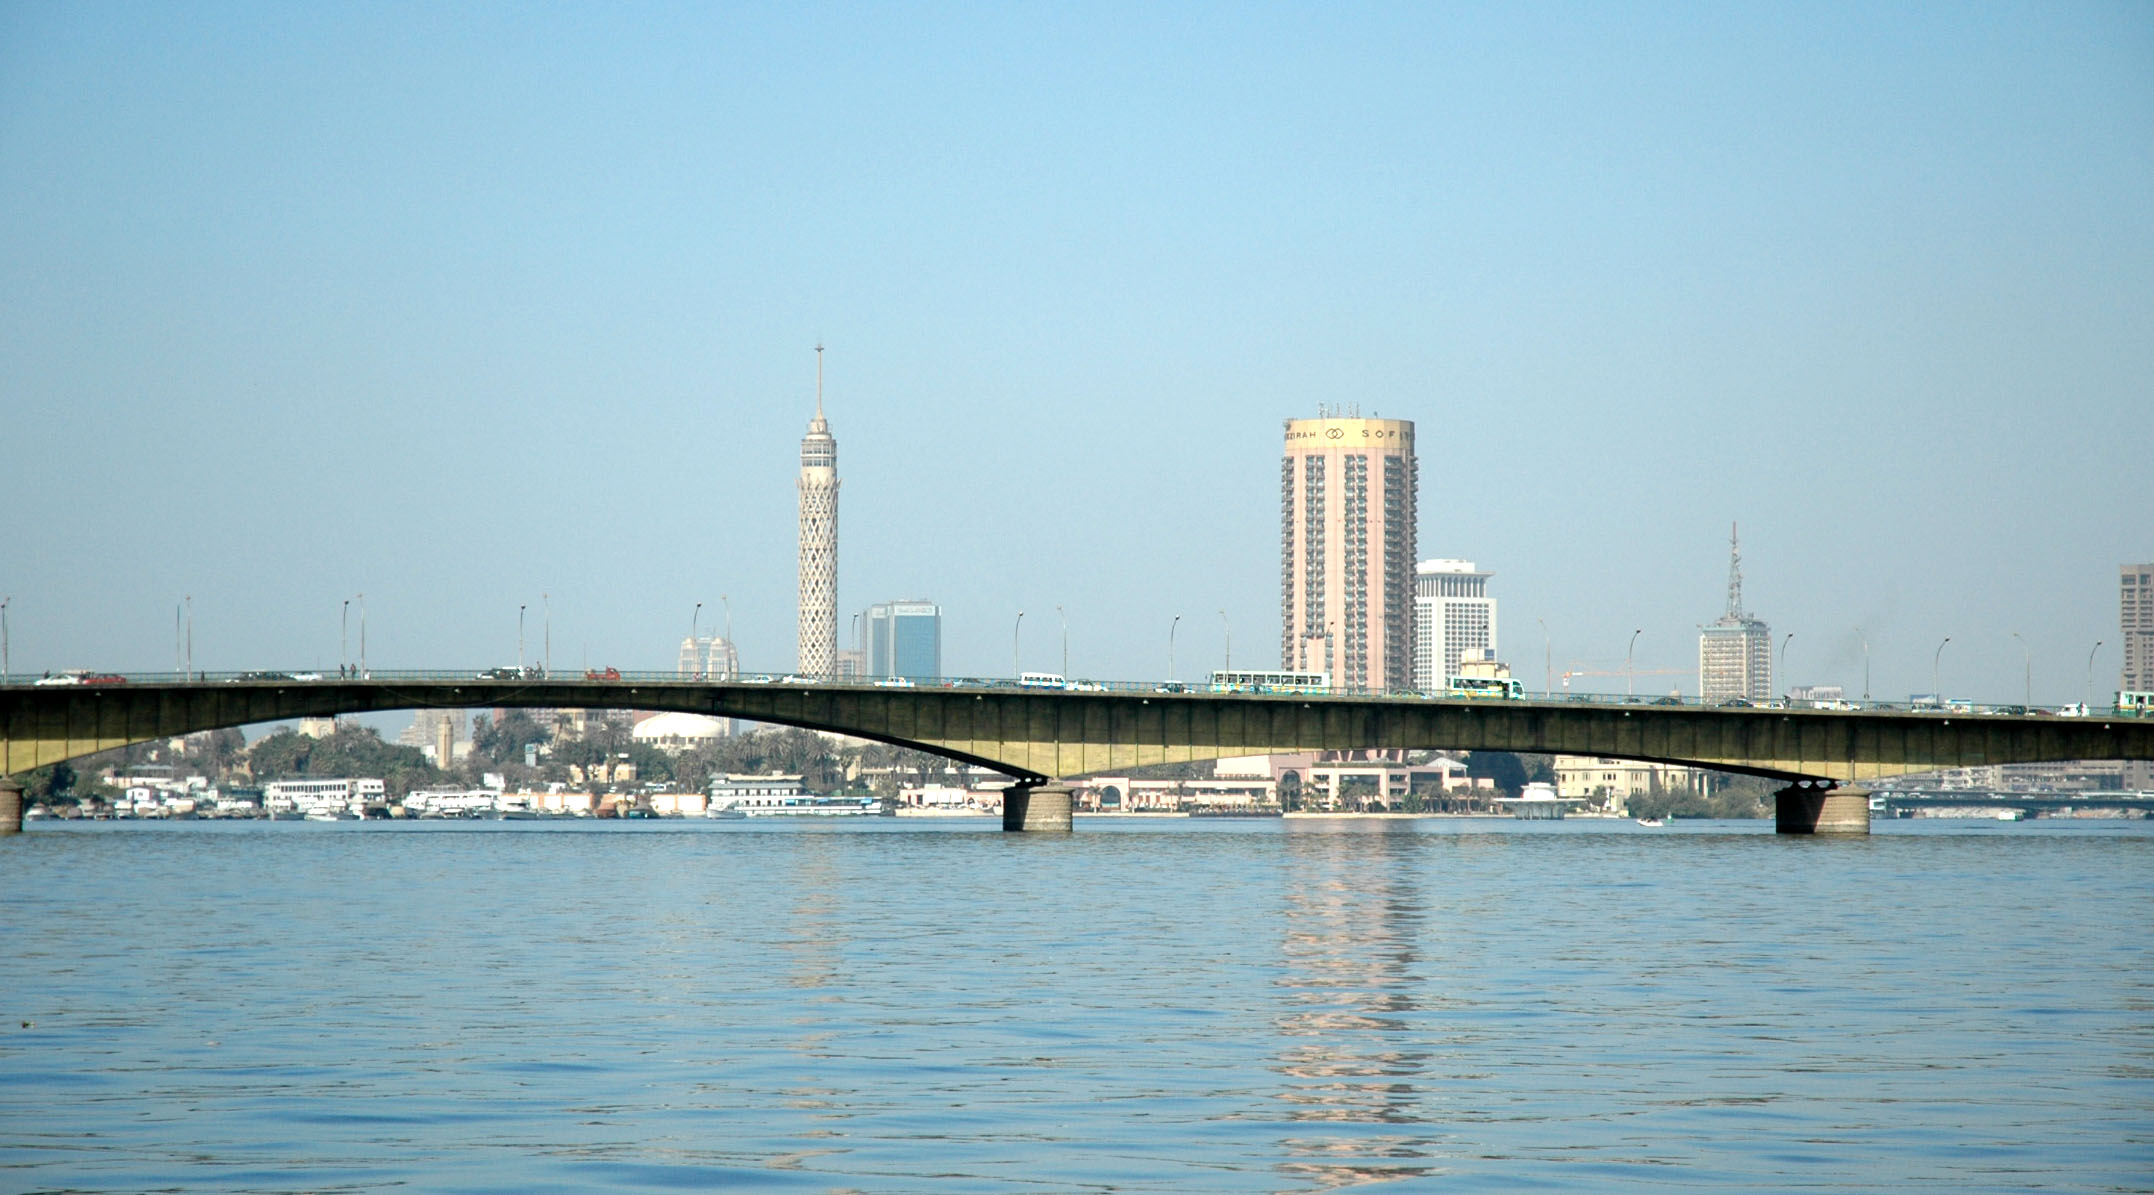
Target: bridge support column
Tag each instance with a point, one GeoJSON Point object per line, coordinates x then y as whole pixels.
{"type": "Point", "coordinates": [1033, 808]}
{"type": "Point", "coordinates": [10, 805]}
{"type": "Point", "coordinates": [1807, 809]}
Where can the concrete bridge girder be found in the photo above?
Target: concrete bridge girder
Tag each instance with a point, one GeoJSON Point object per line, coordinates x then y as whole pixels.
{"type": "Point", "coordinates": [1041, 734]}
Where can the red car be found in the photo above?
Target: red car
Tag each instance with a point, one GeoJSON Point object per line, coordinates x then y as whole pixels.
{"type": "Point", "coordinates": [608, 674]}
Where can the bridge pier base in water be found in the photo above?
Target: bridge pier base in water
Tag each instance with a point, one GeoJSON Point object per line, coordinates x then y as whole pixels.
{"type": "Point", "coordinates": [1034, 808]}
{"type": "Point", "coordinates": [10, 805]}
{"type": "Point", "coordinates": [1811, 808]}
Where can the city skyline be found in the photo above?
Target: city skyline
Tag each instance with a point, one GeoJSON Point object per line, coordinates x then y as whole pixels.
{"type": "Point", "coordinates": [1808, 276]}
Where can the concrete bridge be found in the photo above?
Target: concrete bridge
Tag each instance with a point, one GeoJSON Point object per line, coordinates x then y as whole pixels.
{"type": "Point", "coordinates": [1037, 734]}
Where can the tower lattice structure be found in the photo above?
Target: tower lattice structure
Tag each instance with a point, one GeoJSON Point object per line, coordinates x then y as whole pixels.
{"type": "Point", "coordinates": [818, 540]}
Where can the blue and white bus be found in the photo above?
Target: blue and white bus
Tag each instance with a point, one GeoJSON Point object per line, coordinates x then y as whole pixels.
{"type": "Point", "coordinates": [1499, 688]}
{"type": "Point", "coordinates": [1224, 681]}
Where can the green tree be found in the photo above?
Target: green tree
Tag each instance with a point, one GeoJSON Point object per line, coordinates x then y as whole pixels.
{"type": "Point", "coordinates": [53, 784]}
{"type": "Point", "coordinates": [1500, 768]}
{"type": "Point", "coordinates": [352, 752]}
{"type": "Point", "coordinates": [1289, 791]}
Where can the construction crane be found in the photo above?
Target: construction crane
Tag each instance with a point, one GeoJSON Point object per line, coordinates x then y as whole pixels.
{"type": "Point", "coordinates": [1579, 670]}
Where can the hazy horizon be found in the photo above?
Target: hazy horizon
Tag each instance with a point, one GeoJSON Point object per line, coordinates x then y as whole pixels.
{"type": "Point", "coordinates": [457, 307]}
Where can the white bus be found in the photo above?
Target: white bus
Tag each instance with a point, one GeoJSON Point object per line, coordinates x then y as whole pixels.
{"type": "Point", "coordinates": [1270, 682]}
{"type": "Point", "coordinates": [1501, 688]}
{"type": "Point", "coordinates": [1042, 680]}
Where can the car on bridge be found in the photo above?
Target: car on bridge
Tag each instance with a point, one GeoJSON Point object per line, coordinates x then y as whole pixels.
{"type": "Point", "coordinates": [82, 676]}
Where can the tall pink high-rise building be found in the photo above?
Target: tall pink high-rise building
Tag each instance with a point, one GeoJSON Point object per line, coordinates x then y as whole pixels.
{"type": "Point", "coordinates": [1346, 550]}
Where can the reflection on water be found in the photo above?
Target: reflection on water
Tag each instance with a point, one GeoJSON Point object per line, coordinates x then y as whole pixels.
{"type": "Point", "coordinates": [1202, 1007]}
{"type": "Point", "coordinates": [1350, 1042]}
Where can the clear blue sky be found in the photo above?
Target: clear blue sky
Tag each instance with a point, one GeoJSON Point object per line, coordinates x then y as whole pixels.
{"type": "Point", "coordinates": [458, 305]}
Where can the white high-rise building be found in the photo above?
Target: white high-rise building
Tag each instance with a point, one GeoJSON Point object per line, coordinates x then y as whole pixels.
{"type": "Point", "coordinates": [1735, 651]}
{"type": "Point", "coordinates": [1454, 619]}
{"type": "Point", "coordinates": [818, 540]}
{"type": "Point", "coordinates": [709, 657]}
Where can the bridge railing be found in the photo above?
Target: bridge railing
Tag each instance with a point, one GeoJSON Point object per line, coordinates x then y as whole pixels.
{"type": "Point", "coordinates": [505, 676]}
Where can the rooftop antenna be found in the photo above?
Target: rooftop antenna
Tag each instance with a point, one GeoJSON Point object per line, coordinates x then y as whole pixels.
{"type": "Point", "coordinates": [1735, 574]}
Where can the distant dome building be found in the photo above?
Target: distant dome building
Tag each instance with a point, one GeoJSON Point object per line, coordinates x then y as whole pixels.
{"type": "Point", "coordinates": [676, 733]}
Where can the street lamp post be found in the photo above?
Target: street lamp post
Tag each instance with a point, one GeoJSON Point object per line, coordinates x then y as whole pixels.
{"type": "Point", "coordinates": [2090, 669]}
{"type": "Point", "coordinates": [1230, 639]}
{"type": "Point", "coordinates": [190, 636]}
{"type": "Point", "coordinates": [695, 644]}
{"type": "Point", "coordinates": [732, 654]}
{"type": "Point", "coordinates": [1865, 663]}
{"type": "Point", "coordinates": [1065, 642]}
{"type": "Point", "coordinates": [1784, 663]}
{"type": "Point", "coordinates": [1016, 660]}
{"type": "Point", "coordinates": [362, 635]}
{"type": "Point", "coordinates": [546, 652]}
{"type": "Point", "coordinates": [1937, 695]}
{"type": "Point", "coordinates": [520, 608]}
{"type": "Point", "coordinates": [1170, 647]}
{"type": "Point", "coordinates": [5, 663]}
{"type": "Point", "coordinates": [344, 655]}
{"type": "Point", "coordinates": [2027, 660]}
{"type": "Point", "coordinates": [1630, 682]}
{"type": "Point", "coordinates": [1548, 659]}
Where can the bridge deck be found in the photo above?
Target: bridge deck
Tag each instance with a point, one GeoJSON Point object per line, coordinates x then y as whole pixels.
{"type": "Point", "coordinates": [1039, 732]}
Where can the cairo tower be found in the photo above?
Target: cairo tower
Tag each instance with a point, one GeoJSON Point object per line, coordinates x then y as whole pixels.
{"type": "Point", "coordinates": [818, 540]}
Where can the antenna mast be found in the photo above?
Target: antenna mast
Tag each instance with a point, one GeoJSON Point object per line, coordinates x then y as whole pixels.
{"type": "Point", "coordinates": [1735, 574]}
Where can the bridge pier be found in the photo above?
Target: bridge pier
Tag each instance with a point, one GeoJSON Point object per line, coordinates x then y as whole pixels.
{"type": "Point", "coordinates": [1036, 808]}
{"type": "Point", "coordinates": [10, 805]}
{"type": "Point", "coordinates": [1818, 808]}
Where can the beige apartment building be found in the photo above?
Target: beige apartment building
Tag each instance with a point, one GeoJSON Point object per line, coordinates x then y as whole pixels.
{"type": "Point", "coordinates": [1346, 550]}
{"type": "Point", "coordinates": [1611, 783]}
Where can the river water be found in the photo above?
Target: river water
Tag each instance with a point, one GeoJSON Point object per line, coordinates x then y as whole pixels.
{"type": "Point", "coordinates": [877, 1005]}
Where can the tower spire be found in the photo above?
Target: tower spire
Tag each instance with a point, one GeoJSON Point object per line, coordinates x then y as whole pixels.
{"type": "Point", "coordinates": [818, 379]}
{"type": "Point", "coordinates": [1735, 573]}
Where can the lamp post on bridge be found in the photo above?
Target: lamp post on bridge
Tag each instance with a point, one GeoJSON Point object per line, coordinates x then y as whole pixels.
{"type": "Point", "coordinates": [5, 663]}
{"type": "Point", "coordinates": [1548, 659]}
{"type": "Point", "coordinates": [362, 635]}
{"type": "Point", "coordinates": [1016, 659]}
{"type": "Point", "coordinates": [1230, 639]}
{"type": "Point", "coordinates": [1170, 647]}
{"type": "Point", "coordinates": [2027, 695]}
{"type": "Point", "coordinates": [1865, 664]}
{"type": "Point", "coordinates": [1630, 684]}
{"type": "Point", "coordinates": [1784, 686]}
{"type": "Point", "coordinates": [695, 644]}
{"type": "Point", "coordinates": [190, 636]}
{"type": "Point", "coordinates": [520, 608]}
{"type": "Point", "coordinates": [2090, 669]}
{"type": "Point", "coordinates": [732, 655]}
{"type": "Point", "coordinates": [1065, 642]}
{"type": "Point", "coordinates": [1936, 694]}
{"type": "Point", "coordinates": [546, 652]}
{"type": "Point", "coordinates": [344, 655]}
